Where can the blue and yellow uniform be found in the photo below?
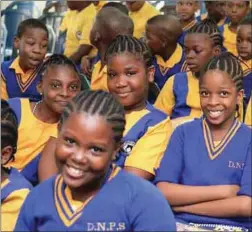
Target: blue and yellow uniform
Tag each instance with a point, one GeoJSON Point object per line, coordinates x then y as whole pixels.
{"type": "Point", "coordinates": [33, 135]}
{"type": "Point", "coordinates": [185, 30]}
{"type": "Point", "coordinates": [180, 96]}
{"type": "Point", "coordinates": [124, 203]}
{"type": "Point", "coordinates": [222, 22]}
{"type": "Point", "coordinates": [16, 83]}
{"type": "Point", "coordinates": [14, 190]}
{"type": "Point", "coordinates": [100, 5]}
{"type": "Point", "coordinates": [248, 117]}
{"type": "Point", "coordinates": [99, 77]}
{"type": "Point", "coordinates": [195, 159]}
{"type": "Point", "coordinates": [141, 17]}
{"type": "Point", "coordinates": [145, 139]}
{"type": "Point", "coordinates": [247, 78]}
{"type": "Point", "coordinates": [229, 37]}
{"type": "Point", "coordinates": [165, 69]}
{"type": "Point", "coordinates": [78, 28]}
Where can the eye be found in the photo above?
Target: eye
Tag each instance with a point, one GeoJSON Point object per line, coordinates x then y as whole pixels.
{"type": "Point", "coordinates": [69, 141]}
{"type": "Point", "coordinates": [131, 73]}
{"type": "Point", "coordinates": [204, 93]}
{"type": "Point", "coordinates": [111, 75]}
{"type": "Point", "coordinates": [197, 51]}
{"type": "Point", "coordinates": [97, 150]}
{"type": "Point", "coordinates": [74, 87]}
{"type": "Point", "coordinates": [55, 85]}
{"type": "Point", "coordinates": [238, 40]}
{"type": "Point", "coordinates": [224, 93]}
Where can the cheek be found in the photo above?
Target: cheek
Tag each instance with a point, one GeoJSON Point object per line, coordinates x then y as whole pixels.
{"type": "Point", "coordinates": [98, 164]}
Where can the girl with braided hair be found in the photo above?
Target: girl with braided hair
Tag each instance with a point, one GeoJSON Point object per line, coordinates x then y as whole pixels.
{"type": "Point", "coordinates": [206, 171]}
{"type": "Point", "coordinates": [90, 193]}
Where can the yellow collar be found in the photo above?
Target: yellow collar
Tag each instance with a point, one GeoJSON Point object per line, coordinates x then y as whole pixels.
{"type": "Point", "coordinates": [15, 65]}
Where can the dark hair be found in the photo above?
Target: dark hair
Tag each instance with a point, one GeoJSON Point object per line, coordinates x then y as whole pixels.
{"type": "Point", "coordinates": [209, 27]}
{"type": "Point", "coordinates": [118, 6]}
{"type": "Point", "coordinates": [98, 103]}
{"type": "Point", "coordinates": [30, 23]}
{"type": "Point", "coordinates": [247, 20]}
{"type": "Point", "coordinates": [9, 127]}
{"type": "Point", "coordinates": [130, 44]}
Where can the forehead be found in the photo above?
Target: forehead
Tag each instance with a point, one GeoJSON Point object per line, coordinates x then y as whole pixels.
{"type": "Point", "coordinates": [237, 2]}
{"type": "Point", "coordinates": [197, 38]}
{"type": "Point", "coordinates": [126, 59]}
{"type": "Point", "coordinates": [187, 1]}
{"type": "Point", "coordinates": [64, 73]}
{"type": "Point", "coordinates": [35, 32]}
{"type": "Point", "coordinates": [244, 29]}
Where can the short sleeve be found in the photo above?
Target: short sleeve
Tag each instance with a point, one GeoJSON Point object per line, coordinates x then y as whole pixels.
{"type": "Point", "coordinates": [150, 148]}
{"type": "Point", "coordinates": [166, 99]}
{"type": "Point", "coordinates": [171, 165]}
{"type": "Point", "coordinates": [4, 93]}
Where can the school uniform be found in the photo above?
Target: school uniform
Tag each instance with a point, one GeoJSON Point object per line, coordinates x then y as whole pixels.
{"type": "Point", "coordinates": [166, 69]}
{"type": "Point", "coordinates": [140, 18]}
{"type": "Point", "coordinates": [145, 139]}
{"type": "Point", "coordinates": [247, 78]}
{"type": "Point", "coordinates": [33, 134]}
{"type": "Point", "coordinates": [193, 158]}
{"type": "Point", "coordinates": [99, 77]}
{"type": "Point", "coordinates": [78, 29]}
{"type": "Point", "coordinates": [14, 190]}
{"type": "Point", "coordinates": [124, 203]}
{"type": "Point", "coordinates": [185, 30]}
{"type": "Point", "coordinates": [248, 117]}
{"type": "Point", "coordinates": [222, 22]}
{"type": "Point", "coordinates": [17, 83]}
{"type": "Point", "coordinates": [100, 5]}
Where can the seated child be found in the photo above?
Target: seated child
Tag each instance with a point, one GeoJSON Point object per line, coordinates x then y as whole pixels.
{"type": "Point", "coordinates": [59, 83]}
{"type": "Point", "coordinates": [205, 173]}
{"type": "Point", "coordinates": [180, 94]}
{"type": "Point", "coordinates": [244, 49]}
{"type": "Point", "coordinates": [19, 77]}
{"type": "Point", "coordinates": [91, 194]}
{"type": "Point", "coordinates": [162, 33]}
{"type": "Point", "coordinates": [140, 12]}
{"type": "Point", "coordinates": [236, 11]}
{"type": "Point", "coordinates": [14, 187]}
{"type": "Point", "coordinates": [81, 19]}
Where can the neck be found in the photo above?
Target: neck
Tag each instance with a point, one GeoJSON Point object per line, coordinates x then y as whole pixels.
{"type": "Point", "coordinates": [4, 175]}
{"type": "Point", "coordinates": [233, 27]}
{"type": "Point", "coordinates": [137, 107]}
{"type": "Point", "coordinates": [168, 51]}
{"type": "Point", "coordinates": [185, 23]}
{"type": "Point", "coordinates": [23, 67]}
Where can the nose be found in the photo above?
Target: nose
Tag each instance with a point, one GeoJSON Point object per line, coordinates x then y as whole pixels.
{"type": "Point", "coordinates": [213, 100]}
{"type": "Point", "coordinates": [79, 157]}
{"type": "Point", "coordinates": [121, 82]}
{"type": "Point", "coordinates": [190, 54]}
{"type": "Point", "coordinates": [234, 9]}
{"type": "Point", "coordinates": [64, 92]}
{"type": "Point", "coordinates": [36, 48]}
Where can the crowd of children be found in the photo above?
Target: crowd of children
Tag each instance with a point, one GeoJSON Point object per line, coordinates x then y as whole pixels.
{"type": "Point", "coordinates": [162, 140]}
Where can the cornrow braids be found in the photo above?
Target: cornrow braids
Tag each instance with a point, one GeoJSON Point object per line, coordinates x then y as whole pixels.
{"type": "Point", "coordinates": [209, 27]}
{"type": "Point", "coordinates": [9, 127]}
{"type": "Point", "coordinates": [98, 103]}
{"type": "Point", "coordinates": [130, 44]}
{"type": "Point", "coordinates": [228, 63]}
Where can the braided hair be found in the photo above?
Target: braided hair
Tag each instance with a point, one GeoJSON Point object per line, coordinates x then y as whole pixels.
{"type": "Point", "coordinates": [98, 103]}
{"type": "Point", "coordinates": [130, 44]}
{"type": "Point", "coordinates": [9, 127]}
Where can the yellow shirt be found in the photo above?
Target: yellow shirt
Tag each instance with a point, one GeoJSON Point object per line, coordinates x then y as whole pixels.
{"type": "Point", "coordinates": [190, 25]}
{"type": "Point", "coordinates": [78, 29]}
{"type": "Point", "coordinates": [141, 17]}
{"type": "Point", "coordinates": [99, 77]}
{"type": "Point", "coordinates": [248, 117]}
{"type": "Point", "coordinates": [100, 5]}
{"type": "Point", "coordinates": [66, 20]}
{"type": "Point", "coordinates": [229, 40]}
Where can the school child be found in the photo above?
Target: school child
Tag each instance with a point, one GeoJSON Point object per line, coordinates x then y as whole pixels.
{"type": "Point", "coordinates": [118, 6]}
{"type": "Point", "coordinates": [140, 12]}
{"type": "Point", "coordinates": [91, 194]}
{"type": "Point", "coordinates": [248, 117]}
{"type": "Point", "coordinates": [78, 29]}
{"type": "Point", "coordinates": [130, 71]}
{"type": "Point", "coordinates": [180, 94]}
{"type": "Point", "coordinates": [109, 23]}
{"type": "Point", "coordinates": [14, 187]}
{"type": "Point", "coordinates": [162, 33]}
{"type": "Point", "coordinates": [186, 10]}
{"type": "Point", "coordinates": [19, 77]}
{"type": "Point", "coordinates": [38, 121]}
{"type": "Point", "coordinates": [236, 11]}
{"type": "Point", "coordinates": [205, 173]}
{"type": "Point", "coordinates": [216, 10]}
{"type": "Point", "coordinates": [244, 49]}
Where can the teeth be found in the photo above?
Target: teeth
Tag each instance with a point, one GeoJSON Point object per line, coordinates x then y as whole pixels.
{"type": "Point", "coordinates": [215, 114]}
{"type": "Point", "coordinates": [75, 172]}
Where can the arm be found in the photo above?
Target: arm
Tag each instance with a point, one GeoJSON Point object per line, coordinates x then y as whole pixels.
{"type": "Point", "coordinates": [238, 206]}
{"type": "Point", "coordinates": [4, 94]}
{"type": "Point", "coordinates": [83, 50]}
{"type": "Point", "coordinates": [140, 173]}
{"type": "Point", "coordinates": [47, 164]}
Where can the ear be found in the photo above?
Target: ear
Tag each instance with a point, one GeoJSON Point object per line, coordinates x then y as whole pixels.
{"type": "Point", "coordinates": [97, 36]}
{"type": "Point", "coordinates": [240, 96]}
{"type": "Point", "coordinates": [6, 154]}
{"type": "Point", "coordinates": [217, 50]}
{"type": "Point", "coordinates": [150, 74]}
{"type": "Point", "coordinates": [16, 42]}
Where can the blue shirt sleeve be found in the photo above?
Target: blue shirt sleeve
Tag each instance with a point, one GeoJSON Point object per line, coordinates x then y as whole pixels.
{"type": "Point", "coordinates": [150, 211]}
{"type": "Point", "coordinates": [245, 186]}
{"type": "Point", "coordinates": [171, 165]}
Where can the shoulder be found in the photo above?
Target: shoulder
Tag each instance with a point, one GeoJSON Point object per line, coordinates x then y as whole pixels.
{"type": "Point", "coordinates": [6, 64]}
{"type": "Point", "coordinates": [17, 104]}
{"type": "Point", "coordinates": [189, 126]}
{"type": "Point", "coordinates": [18, 180]}
{"type": "Point", "coordinates": [156, 114]}
{"type": "Point", "coordinates": [245, 132]}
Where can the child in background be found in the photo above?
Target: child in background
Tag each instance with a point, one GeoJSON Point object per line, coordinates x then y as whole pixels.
{"type": "Point", "coordinates": [162, 33]}
{"type": "Point", "coordinates": [59, 83]}
{"type": "Point", "coordinates": [140, 12]}
{"type": "Point", "coordinates": [14, 187]}
{"type": "Point", "coordinates": [78, 29]}
{"type": "Point", "coordinates": [91, 194]}
{"type": "Point", "coordinates": [236, 11]}
{"type": "Point", "coordinates": [206, 170]}
{"type": "Point", "coordinates": [244, 49]}
{"type": "Point", "coordinates": [180, 95]}
{"type": "Point", "coordinates": [20, 76]}
{"type": "Point", "coordinates": [147, 129]}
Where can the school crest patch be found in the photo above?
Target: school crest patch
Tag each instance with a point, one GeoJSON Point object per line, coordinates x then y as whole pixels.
{"type": "Point", "coordinates": [78, 35]}
{"type": "Point", "coordinates": [127, 147]}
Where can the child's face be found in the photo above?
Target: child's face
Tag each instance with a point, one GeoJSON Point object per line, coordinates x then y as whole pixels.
{"type": "Point", "coordinates": [84, 162]}
{"type": "Point", "coordinates": [134, 5]}
{"type": "Point", "coordinates": [237, 10]}
{"type": "Point", "coordinates": [244, 41]}
{"type": "Point", "coordinates": [219, 97]}
{"type": "Point", "coordinates": [32, 47]}
{"type": "Point", "coordinates": [128, 80]}
{"type": "Point", "coordinates": [152, 39]}
{"type": "Point", "coordinates": [77, 5]}
{"type": "Point", "coordinates": [186, 9]}
{"type": "Point", "coordinates": [199, 49]}
{"type": "Point", "coordinates": [59, 85]}
{"type": "Point", "coordinates": [216, 9]}
{"type": "Point", "coordinates": [94, 35]}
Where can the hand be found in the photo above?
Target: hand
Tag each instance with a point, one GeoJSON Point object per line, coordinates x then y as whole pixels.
{"type": "Point", "coordinates": [86, 66]}
{"type": "Point", "coordinates": [230, 190]}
